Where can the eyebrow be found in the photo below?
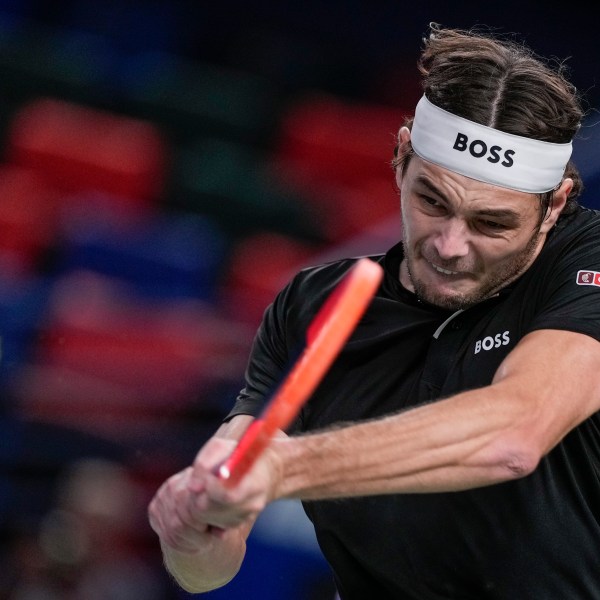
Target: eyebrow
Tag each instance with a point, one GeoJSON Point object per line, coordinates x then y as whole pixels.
{"type": "Point", "coordinates": [497, 213]}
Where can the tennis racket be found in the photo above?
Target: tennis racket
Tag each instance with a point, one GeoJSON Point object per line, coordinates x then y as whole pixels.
{"type": "Point", "coordinates": [326, 335]}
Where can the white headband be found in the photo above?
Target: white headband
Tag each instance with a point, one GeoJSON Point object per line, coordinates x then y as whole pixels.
{"type": "Point", "coordinates": [486, 154]}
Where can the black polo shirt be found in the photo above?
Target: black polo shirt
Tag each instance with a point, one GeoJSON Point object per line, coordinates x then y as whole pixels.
{"type": "Point", "coordinates": [537, 537]}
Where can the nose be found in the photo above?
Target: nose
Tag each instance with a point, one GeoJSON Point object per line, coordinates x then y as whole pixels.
{"type": "Point", "coordinates": [452, 239]}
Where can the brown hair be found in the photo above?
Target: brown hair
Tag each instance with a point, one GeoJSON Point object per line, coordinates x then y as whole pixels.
{"type": "Point", "coordinates": [502, 84]}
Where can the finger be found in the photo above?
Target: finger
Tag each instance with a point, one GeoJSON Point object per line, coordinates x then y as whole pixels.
{"type": "Point", "coordinates": [212, 454]}
{"type": "Point", "coordinates": [170, 515]}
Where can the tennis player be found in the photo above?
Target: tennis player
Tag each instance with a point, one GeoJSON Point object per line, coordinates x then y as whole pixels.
{"type": "Point", "coordinates": [453, 449]}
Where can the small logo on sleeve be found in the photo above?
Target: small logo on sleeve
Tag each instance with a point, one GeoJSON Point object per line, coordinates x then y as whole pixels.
{"type": "Point", "coordinates": [588, 278]}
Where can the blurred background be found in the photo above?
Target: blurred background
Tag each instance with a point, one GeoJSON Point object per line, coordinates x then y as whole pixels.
{"type": "Point", "coordinates": [165, 167]}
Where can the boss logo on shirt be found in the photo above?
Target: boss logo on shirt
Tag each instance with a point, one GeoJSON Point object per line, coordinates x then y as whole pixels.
{"type": "Point", "coordinates": [588, 278]}
{"type": "Point", "coordinates": [479, 149]}
{"type": "Point", "coordinates": [489, 342]}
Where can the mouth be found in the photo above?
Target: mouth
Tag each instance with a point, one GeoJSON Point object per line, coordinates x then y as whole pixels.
{"type": "Point", "coordinates": [444, 271]}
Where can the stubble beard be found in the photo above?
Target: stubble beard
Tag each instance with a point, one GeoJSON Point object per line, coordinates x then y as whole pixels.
{"type": "Point", "coordinates": [490, 286]}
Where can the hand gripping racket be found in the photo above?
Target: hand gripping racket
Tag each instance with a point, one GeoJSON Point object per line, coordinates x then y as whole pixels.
{"type": "Point", "coordinates": [326, 335]}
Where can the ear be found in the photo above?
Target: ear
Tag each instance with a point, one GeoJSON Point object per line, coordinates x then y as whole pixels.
{"type": "Point", "coordinates": [558, 204]}
{"type": "Point", "coordinates": [403, 139]}
{"type": "Point", "coordinates": [403, 136]}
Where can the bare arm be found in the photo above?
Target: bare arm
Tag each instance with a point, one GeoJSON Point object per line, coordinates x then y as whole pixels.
{"type": "Point", "coordinates": [547, 385]}
{"type": "Point", "coordinates": [198, 555]}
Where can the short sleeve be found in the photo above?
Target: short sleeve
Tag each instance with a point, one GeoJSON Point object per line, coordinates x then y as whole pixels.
{"type": "Point", "coordinates": [570, 281]}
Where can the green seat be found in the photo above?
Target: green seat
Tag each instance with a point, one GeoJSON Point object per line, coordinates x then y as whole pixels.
{"type": "Point", "coordinates": [190, 98]}
{"type": "Point", "coordinates": [229, 182]}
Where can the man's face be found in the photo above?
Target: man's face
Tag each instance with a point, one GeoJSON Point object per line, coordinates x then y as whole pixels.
{"type": "Point", "coordinates": [464, 240]}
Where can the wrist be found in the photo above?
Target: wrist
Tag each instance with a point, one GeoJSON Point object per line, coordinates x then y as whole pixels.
{"type": "Point", "coordinates": [212, 565]}
{"type": "Point", "coordinates": [296, 460]}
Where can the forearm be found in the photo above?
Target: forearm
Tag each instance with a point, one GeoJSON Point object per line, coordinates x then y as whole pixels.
{"type": "Point", "coordinates": [478, 437]}
{"type": "Point", "coordinates": [428, 449]}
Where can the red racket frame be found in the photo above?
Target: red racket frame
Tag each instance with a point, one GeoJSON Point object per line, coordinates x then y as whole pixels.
{"type": "Point", "coordinates": [326, 336]}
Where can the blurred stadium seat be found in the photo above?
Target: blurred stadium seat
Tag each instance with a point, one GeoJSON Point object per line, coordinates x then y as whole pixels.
{"type": "Point", "coordinates": [77, 148]}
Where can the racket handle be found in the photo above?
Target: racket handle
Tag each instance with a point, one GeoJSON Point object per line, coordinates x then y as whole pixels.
{"type": "Point", "coordinates": [251, 444]}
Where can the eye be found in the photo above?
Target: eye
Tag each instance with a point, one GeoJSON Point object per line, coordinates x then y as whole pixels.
{"type": "Point", "coordinates": [494, 225]}
{"type": "Point", "coordinates": [429, 200]}
{"type": "Point", "coordinates": [487, 225]}
{"type": "Point", "coordinates": [431, 203]}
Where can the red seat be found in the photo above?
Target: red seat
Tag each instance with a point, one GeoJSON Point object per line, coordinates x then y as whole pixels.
{"type": "Point", "coordinates": [337, 155]}
{"type": "Point", "coordinates": [339, 141]}
{"type": "Point", "coordinates": [259, 266]}
{"type": "Point", "coordinates": [79, 148]}
{"type": "Point", "coordinates": [104, 356]}
{"type": "Point", "coordinates": [28, 217]}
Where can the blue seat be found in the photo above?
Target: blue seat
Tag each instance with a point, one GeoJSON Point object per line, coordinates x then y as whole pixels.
{"type": "Point", "coordinates": [31, 456]}
{"type": "Point", "coordinates": [22, 305]}
{"type": "Point", "coordinates": [165, 256]}
{"type": "Point", "coordinates": [586, 149]}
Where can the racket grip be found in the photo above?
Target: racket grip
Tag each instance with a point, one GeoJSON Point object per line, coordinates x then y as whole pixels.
{"type": "Point", "coordinates": [248, 449]}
